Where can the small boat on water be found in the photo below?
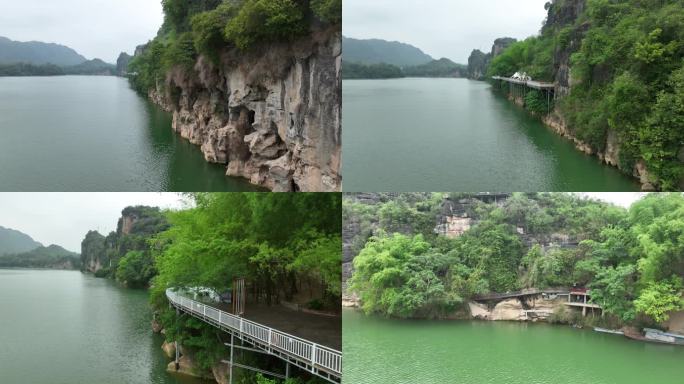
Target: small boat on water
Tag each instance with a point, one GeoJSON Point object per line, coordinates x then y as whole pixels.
{"type": "Point", "coordinates": [656, 336]}
{"type": "Point", "coordinates": [606, 330]}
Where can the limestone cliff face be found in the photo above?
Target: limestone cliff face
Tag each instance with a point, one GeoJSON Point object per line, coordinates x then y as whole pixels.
{"type": "Point", "coordinates": [477, 65]}
{"type": "Point", "coordinates": [479, 61]}
{"type": "Point", "coordinates": [93, 252]}
{"type": "Point", "coordinates": [560, 15]}
{"type": "Point", "coordinates": [122, 64]}
{"type": "Point", "coordinates": [454, 218]}
{"type": "Point", "coordinates": [271, 115]}
{"type": "Point", "coordinates": [513, 309]}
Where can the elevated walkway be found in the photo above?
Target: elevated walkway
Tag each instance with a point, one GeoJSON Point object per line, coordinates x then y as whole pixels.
{"type": "Point", "coordinates": [520, 294]}
{"type": "Point", "coordinates": [318, 359]}
{"type": "Point", "coordinates": [539, 85]}
{"type": "Point", "coordinates": [520, 88]}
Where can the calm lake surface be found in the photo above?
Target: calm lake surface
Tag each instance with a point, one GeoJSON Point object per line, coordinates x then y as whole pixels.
{"type": "Point", "coordinates": [457, 135]}
{"type": "Point", "coordinates": [91, 133]}
{"type": "Point", "coordinates": [464, 352]}
{"type": "Point", "coordinates": [63, 327]}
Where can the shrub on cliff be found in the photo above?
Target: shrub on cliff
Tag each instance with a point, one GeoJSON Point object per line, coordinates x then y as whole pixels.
{"type": "Point", "coordinates": [266, 20]}
{"type": "Point", "coordinates": [208, 29]}
{"type": "Point", "coordinates": [180, 52]}
{"type": "Point", "coordinates": [534, 55]}
{"type": "Point", "coordinates": [193, 27]}
{"type": "Point", "coordinates": [536, 102]}
{"type": "Point", "coordinates": [327, 10]}
{"type": "Point", "coordinates": [136, 269]}
{"type": "Point", "coordinates": [662, 140]}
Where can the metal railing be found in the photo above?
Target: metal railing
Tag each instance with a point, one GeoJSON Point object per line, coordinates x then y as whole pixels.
{"type": "Point", "coordinates": [318, 359]}
{"type": "Point", "coordinates": [526, 292]}
{"type": "Point", "coordinates": [529, 83]}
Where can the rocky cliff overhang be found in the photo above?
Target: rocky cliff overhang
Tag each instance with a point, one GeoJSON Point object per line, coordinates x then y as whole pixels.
{"type": "Point", "coordinates": [272, 114]}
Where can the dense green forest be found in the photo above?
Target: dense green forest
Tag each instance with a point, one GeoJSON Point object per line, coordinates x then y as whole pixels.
{"type": "Point", "coordinates": [627, 64]}
{"type": "Point", "coordinates": [282, 244]}
{"type": "Point", "coordinates": [631, 259]}
{"type": "Point", "coordinates": [208, 27]}
{"type": "Point", "coordinates": [370, 71]}
{"type": "Point", "coordinates": [52, 256]}
{"type": "Point", "coordinates": [286, 246]}
{"type": "Point", "coordinates": [435, 68]}
{"type": "Point", "coordinates": [22, 69]}
{"type": "Point", "coordinates": [91, 67]}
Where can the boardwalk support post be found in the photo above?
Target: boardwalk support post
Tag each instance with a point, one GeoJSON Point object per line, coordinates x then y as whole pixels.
{"type": "Point", "coordinates": [175, 344]}
{"type": "Point", "coordinates": [230, 367]}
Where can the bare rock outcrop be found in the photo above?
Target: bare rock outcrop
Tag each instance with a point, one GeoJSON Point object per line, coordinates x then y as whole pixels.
{"type": "Point", "coordinates": [271, 115]}
{"type": "Point", "coordinates": [221, 372]}
{"type": "Point", "coordinates": [511, 309]}
{"type": "Point", "coordinates": [169, 349]}
{"type": "Point", "coordinates": [187, 366]}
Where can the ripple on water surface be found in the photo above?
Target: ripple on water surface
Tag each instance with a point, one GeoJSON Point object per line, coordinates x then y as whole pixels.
{"type": "Point", "coordinates": [391, 351]}
{"type": "Point", "coordinates": [64, 327]}
{"type": "Point", "coordinates": [94, 133]}
{"type": "Point", "coordinates": [456, 135]}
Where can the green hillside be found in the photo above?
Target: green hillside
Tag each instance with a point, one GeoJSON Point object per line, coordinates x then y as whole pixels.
{"type": "Point", "coordinates": [376, 51]}
{"type": "Point", "coordinates": [52, 256]}
{"type": "Point", "coordinates": [13, 241]}
{"type": "Point", "coordinates": [37, 53]}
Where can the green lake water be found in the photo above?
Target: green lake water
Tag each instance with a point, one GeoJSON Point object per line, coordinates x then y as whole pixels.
{"type": "Point", "coordinates": [468, 352]}
{"type": "Point", "coordinates": [92, 133]}
{"type": "Point", "coordinates": [457, 135]}
{"type": "Point", "coordinates": [64, 327]}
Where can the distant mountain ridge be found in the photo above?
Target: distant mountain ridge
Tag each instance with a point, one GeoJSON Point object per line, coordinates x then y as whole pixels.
{"type": "Point", "coordinates": [37, 53]}
{"type": "Point", "coordinates": [13, 241]}
{"type": "Point", "coordinates": [53, 257]}
{"type": "Point", "coordinates": [376, 51]}
{"type": "Point", "coordinates": [35, 58]}
{"type": "Point", "coordinates": [441, 68]}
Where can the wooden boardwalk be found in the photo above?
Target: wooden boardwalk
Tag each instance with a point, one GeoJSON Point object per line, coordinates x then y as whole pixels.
{"type": "Point", "coordinates": [320, 360]}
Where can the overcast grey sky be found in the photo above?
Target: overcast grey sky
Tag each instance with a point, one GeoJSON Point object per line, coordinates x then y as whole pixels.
{"type": "Point", "coordinates": [94, 28]}
{"type": "Point", "coordinates": [65, 218]}
{"type": "Point", "coordinates": [443, 28]}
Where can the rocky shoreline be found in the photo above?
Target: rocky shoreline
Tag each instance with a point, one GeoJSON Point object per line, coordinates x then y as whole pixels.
{"type": "Point", "coordinates": [512, 310]}
{"type": "Point", "coordinates": [610, 156]}
{"type": "Point", "coordinates": [186, 364]}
